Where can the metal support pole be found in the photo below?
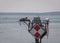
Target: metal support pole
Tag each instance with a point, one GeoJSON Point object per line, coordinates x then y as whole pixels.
{"type": "Point", "coordinates": [37, 40]}
{"type": "Point", "coordinates": [40, 40]}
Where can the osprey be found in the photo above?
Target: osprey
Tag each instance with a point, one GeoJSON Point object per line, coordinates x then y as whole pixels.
{"type": "Point", "coordinates": [37, 27]}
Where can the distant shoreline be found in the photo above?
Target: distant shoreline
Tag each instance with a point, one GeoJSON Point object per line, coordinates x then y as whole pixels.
{"type": "Point", "coordinates": [48, 13]}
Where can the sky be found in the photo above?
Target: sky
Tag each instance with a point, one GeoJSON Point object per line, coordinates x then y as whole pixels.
{"type": "Point", "coordinates": [29, 5]}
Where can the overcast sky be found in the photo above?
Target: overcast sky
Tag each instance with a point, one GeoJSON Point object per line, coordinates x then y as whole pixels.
{"type": "Point", "coordinates": [29, 5]}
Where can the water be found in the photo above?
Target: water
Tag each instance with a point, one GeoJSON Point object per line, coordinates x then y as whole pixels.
{"type": "Point", "coordinates": [13, 17]}
{"type": "Point", "coordinates": [12, 32]}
